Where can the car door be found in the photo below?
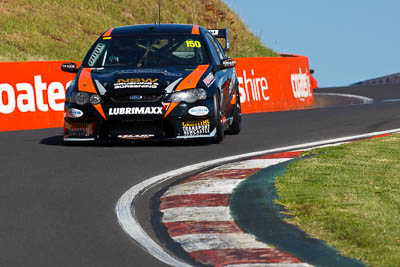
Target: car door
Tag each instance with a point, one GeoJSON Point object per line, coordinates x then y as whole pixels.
{"type": "Point", "coordinates": [229, 78]}
{"type": "Point", "coordinates": [222, 76]}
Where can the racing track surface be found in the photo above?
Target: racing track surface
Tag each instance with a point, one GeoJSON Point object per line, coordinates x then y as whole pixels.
{"type": "Point", "coordinates": [57, 203]}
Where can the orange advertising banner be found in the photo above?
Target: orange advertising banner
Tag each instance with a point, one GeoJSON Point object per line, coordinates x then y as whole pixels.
{"type": "Point", "coordinates": [274, 83]}
{"type": "Point", "coordinates": [32, 93]}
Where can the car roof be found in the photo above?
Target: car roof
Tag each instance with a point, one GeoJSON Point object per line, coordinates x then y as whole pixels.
{"type": "Point", "coordinates": [153, 29]}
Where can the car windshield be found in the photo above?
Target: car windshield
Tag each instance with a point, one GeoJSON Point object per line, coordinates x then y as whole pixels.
{"type": "Point", "coordinates": [145, 51]}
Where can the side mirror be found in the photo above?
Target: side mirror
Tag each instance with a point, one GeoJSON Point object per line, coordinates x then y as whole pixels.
{"type": "Point", "coordinates": [229, 63]}
{"type": "Point", "coordinates": [311, 71]}
{"type": "Point", "coordinates": [226, 64]}
{"type": "Point", "coordinates": [69, 67]}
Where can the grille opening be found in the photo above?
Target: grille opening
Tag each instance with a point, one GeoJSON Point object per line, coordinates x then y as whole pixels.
{"type": "Point", "coordinates": [136, 127]}
{"type": "Point", "coordinates": [136, 98]}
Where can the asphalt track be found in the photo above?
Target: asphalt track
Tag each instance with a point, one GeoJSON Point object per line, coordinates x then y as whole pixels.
{"type": "Point", "coordinates": [57, 203]}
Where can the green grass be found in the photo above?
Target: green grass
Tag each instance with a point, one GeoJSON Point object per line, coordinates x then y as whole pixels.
{"type": "Point", "coordinates": [65, 29]}
{"type": "Point", "coordinates": [349, 196]}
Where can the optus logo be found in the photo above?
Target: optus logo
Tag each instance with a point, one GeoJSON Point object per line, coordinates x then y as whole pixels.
{"type": "Point", "coordinates": [301, 85]}
{"type": "Point", "coordinates": [30, 98]}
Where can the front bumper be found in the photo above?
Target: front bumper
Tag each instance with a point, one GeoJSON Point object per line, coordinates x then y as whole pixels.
{"type": "Point", "coordinates": [177, 124]}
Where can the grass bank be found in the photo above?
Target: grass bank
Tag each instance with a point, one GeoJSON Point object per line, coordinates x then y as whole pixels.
{"type": "Point", "coordinates": [65, 29]}
{"type": "Point", "coordinates": [349, 196]}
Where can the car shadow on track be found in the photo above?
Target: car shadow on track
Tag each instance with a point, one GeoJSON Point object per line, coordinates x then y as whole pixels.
{"type": "Point", "coordinates": [57, 140]}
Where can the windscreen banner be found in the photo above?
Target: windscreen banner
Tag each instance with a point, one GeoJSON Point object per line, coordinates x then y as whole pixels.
{"type": "Point", "coordinates": [32, 93]}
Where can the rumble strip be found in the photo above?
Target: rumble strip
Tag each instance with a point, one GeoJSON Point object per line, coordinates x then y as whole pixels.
{"type": "Point", "coordinates": [223, 230]}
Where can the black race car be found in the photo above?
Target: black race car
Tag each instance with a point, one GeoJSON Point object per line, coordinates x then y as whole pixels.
{"type": "Point", "coordinates": [153, 82]}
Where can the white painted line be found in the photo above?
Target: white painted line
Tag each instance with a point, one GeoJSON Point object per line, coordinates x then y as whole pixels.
{"type": "Point", "coordinates": [364, 99]}
{"type": "Point", "coordinates": [125, 211]}
{"type": "Point", "coordinates": [251, 164]}
{"type": "Point", "coordinates": [270, 265]}
{"type": "Point", "coordinates": [322, 146]}
{"type": "Point", "coordinates": [197, 242]}
{"type": "Point", "coordinates": [209, 186]}
{"type": "Point", "coordinates": [69, 139]}
{"type": "Point", "coordinates": [200, 214]}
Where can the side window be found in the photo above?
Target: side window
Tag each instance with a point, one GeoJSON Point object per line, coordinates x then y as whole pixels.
{"type": "Point", "coordinates": [215, 52]}
{"type": "Point", "coordinates": [99, 52]}
{"type": "Point", "coordinates": [219, 48]}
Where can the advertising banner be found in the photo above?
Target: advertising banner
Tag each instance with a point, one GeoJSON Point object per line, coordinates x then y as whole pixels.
{"type": "Point", "coordinates": [274, 83]}
{"type": "Point", "coordinates": [32, 93]}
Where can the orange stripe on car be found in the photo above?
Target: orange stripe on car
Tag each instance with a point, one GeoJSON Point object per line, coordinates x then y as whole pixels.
{"type": "Point", "coordinates": [195, 29]}
{"type": "Point", "coordinates": [233, 100]}
{"type": "Point", "coordinates": [193, 78]}
{"type": "Point", "coordinates": [100, 110]}
{"type": "Point", "coordinates": [85, 84]}
{"type": "Point", "coordinates": [108, 33]}
{"type": "Point", "coordinates": [170, 108]}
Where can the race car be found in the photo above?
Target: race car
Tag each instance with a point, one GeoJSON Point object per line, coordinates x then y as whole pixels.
{"type": "Point", "coordinates": [153, 82]}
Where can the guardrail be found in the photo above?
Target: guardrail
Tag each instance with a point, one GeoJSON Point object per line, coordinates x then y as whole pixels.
{"type": "Point", "coordinates": [387, 79]}
{"type": "Point", "coordinates": [32, 93]}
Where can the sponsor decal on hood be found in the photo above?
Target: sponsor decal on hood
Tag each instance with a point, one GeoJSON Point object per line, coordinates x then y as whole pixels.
{"type": "Point", "coordinates": [136, 83]}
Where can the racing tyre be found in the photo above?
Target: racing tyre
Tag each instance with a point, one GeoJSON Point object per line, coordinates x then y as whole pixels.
{"type": "Point", "coordinates": [237, 117]}
{"type": "Point", "coordinates": [218, 119]}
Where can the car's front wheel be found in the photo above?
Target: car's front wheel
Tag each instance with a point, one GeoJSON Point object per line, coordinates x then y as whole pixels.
{"type": "Point", "coordinates": [236, 116]}
{"type": "Point", "coordinates": [218, 119]}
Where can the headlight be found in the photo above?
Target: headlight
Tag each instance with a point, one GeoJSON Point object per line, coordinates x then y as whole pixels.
{"type": "Point", "coordinates": [94, 99]}
{"type": "Point", "coordinates": [189, 96]}
{"type": "Point", "coordinates": [82, 98]}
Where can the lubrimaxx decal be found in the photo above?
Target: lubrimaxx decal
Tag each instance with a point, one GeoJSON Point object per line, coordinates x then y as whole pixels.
{"type": "Point", "coordinates": [133, 83]}
{"type": "Point", "coordinates": [135, 111]}
{"type": "Point", "coordinates": [301, 85]}
{"type": "Point", "coordinates": [199, 111]}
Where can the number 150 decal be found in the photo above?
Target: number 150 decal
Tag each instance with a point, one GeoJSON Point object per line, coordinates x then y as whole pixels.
{"type": "Point", "coordinates": [193, 44]}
